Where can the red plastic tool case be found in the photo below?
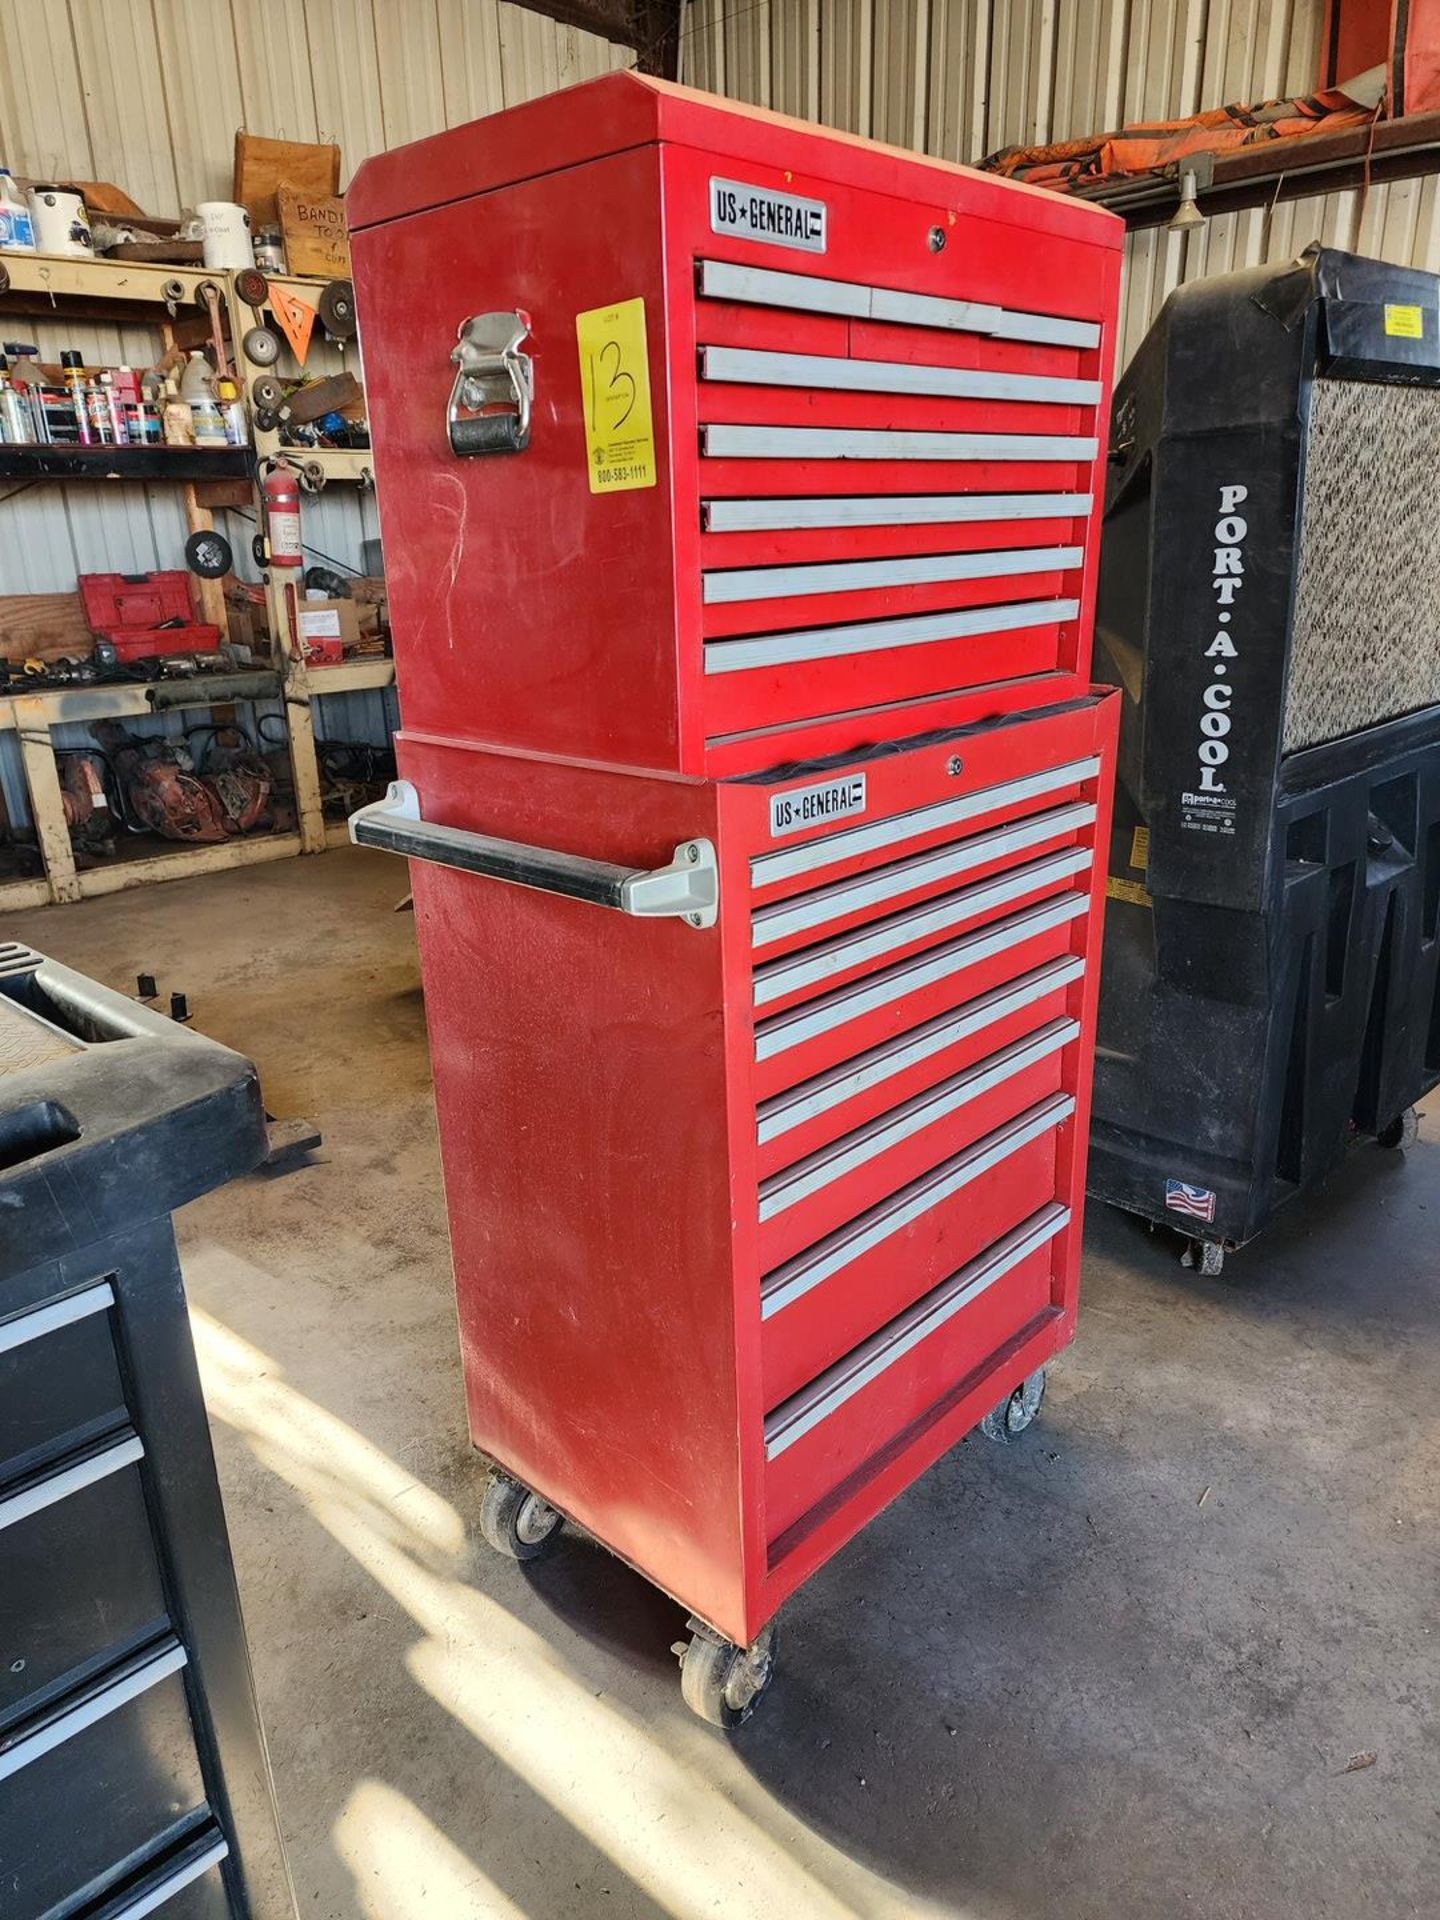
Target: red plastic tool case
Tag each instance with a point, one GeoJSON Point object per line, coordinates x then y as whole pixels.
{"type": "Point", "coordinates": [753, 1219]}
{"type": "Point", "coordinates": [129, 609]}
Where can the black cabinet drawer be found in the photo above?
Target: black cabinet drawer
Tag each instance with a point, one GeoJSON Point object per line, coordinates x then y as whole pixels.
{"type": "Point", "coordinates": [59, 1373]}
{"type": "Point", "coordinates": [79, 1577]}
{"type": "Point", "coordinates": [112, 1774]}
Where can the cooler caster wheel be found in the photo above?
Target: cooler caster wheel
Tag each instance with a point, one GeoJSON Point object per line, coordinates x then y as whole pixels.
{"type": "Point", "coordinates": [721, 1682]}
{"type": "Point", "coordinates": [1010, 1419]}
{"type": "Point", "coordinates": [1204, 1256]}
{"type": "Point", "coordinates": [515, 1521]}
{"type": "Point", "coordinates": [1401, 1133]}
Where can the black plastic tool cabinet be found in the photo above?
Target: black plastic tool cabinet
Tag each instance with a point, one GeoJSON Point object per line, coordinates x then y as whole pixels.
{"type": "Point", "coordinates": [133, 1776]}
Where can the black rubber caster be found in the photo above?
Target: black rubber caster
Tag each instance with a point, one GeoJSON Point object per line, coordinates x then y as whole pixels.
{"type": "Point", "coordinates": [515, 1521]}
{"type": "Point", "coordinates": [1204, 1256]}
{"type": "Point", "coordinates": [1010, 1419]}
{"type": "Point", "coordinates": [1401, 1133]}
{"type": "Point", "coordinates": [721, 1682]}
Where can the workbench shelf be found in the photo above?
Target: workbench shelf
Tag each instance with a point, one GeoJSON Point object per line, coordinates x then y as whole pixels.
{"type": "Point", "coordinates": [166, 297]}
{"type": "Point", "coordinates": [177, 464]}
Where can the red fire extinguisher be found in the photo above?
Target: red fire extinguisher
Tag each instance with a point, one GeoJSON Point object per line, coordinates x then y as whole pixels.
{"type": "Point", "coordinates": [281, 490]}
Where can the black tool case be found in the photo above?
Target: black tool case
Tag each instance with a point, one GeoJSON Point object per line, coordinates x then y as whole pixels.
{"type": "Point", "coordinates": [133, 1776]}
{"type": "Point", "coordinates": [1269, 602]}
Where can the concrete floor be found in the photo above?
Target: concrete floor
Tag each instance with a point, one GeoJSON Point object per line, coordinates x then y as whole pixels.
{"type": "Point", "coordinates": [1116, 1670]}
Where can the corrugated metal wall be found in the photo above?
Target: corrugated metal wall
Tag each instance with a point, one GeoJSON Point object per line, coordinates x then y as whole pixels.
{"type": "Point", "coordinates": [148, 94]}
{"type": "Point", "coordinates": [960, 78]}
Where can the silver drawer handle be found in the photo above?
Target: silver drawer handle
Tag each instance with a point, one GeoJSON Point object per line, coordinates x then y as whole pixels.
{"type": "Point", "coordinates": [688, 888]}
{"type": "Point", "coordinates": [150, 1899]}
{"type": "Point", "coordinates": [95, 1707]}
{"type": "Point", "coordinates": [58, 1486]}
{"type": "Point", "coordinates": [24, 1327]}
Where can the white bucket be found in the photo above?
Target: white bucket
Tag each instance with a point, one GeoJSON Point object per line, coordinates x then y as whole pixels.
{"type": "Point", "coordinates": [226, 233]}
{"type": "Point", "coordinates": [61, 223]}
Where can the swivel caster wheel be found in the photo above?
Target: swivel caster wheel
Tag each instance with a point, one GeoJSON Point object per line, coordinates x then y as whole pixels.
{"type": "Point", "coordinates": [721, 1682]}
{"type": "Point", "coordinates": [515, 1521]}
{"type": "Point", "coordinates": [1010, 1419]}
{"type": "Point", "coordinates": [1204, 1256]}
{"type": "Point", "coordinates": [1401, 1133]}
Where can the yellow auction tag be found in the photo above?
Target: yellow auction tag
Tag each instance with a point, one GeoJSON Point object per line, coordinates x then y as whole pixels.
{"type": "Point", "coordinates": [1408, 323]}
{"type": "Point", "coordinates": [615, 381]}
{"type": "Point", "coordinates": [1140, 847]}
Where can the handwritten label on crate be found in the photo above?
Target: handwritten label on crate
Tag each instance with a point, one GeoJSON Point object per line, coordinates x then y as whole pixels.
{"type": "Point", "coordinates": [615, 386]}
{"type": "Point", "coordinates": [777, 219]}
{"type": "Point", "coordinates": [801, 807]}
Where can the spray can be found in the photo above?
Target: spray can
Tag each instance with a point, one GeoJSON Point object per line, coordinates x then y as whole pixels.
{"type": "Point", "coordinates": [74, 365]}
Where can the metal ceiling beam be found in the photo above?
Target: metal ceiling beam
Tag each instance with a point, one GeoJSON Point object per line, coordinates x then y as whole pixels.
{"type": "Point", "coordinates": [651, 27]}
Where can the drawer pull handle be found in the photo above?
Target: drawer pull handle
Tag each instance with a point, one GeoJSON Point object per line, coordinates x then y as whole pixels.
{"type": "Point", "coordinates": [828, 849]}
{"type": "Point", "coordinates": [810, 293]}
{"type": "Point", "coordinates": [732, 441]}
{"type": "Point", "coordinates": [805, 912]}
{"type": "Point", "coordinates": [96, 1706]}
{"type": "Point", "coordinates": [25, 1327]}
{"type": "Point", "coordinates": [729, 586]}
{"type": "Point", "coordinates": [889, 510]}
{"type": "Point", "coordinates": [59, 1486]}
{"type": "Point", "coordinates": [879, 636]}
{"type": "Point", "coordinates": [745, 366]}
{"type": "Point", "coordinates": [688, 888]}
{"type": "Point", "coordinates": [150, 1899]}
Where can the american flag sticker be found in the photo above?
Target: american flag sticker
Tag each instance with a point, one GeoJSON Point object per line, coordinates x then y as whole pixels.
{"type": "Point", "coordinates": [1198, 1202]}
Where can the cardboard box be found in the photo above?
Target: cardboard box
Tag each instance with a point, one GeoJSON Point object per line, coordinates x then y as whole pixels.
{"type": "Point", "coordinates": [328, 628]}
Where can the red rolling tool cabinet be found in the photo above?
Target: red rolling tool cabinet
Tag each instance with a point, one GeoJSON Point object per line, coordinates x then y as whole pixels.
{"type": "Point", "coordinates": [739, 484]}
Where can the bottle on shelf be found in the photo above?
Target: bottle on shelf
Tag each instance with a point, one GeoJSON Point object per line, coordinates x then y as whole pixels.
{"type": "Point", "coordinates": [17, 228]}
{"type": "Point", "coordinates": [16, 424]}
{"type": "Point", "coordinates": [177, 417]}
{"type": "Point", "coordinates": [209, 423]}
{"type": "Point", "coordinates": [74, 376]}
{"type": "Point", "coordinates": [195, 379]}
{"type": "Point", "coordinates": [232, 411]}
{"type": "Point", "coordinates": [114, 411]}
{"type": "Point", "coordinates": [97, 404]}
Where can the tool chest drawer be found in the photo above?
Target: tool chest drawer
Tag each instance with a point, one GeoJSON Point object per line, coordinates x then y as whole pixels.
{"type": "Point", "coordinates": [81, 1575]}
{"type": "Point", "coordinates": [59, 1375]}
{"type": "Point", "coordinates": [112, 1769]}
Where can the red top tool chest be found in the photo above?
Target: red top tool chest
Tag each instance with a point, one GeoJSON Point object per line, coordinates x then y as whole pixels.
{"type": "Point", "coordinates": [130, 610]}
{"type": "Point", "coordinates": [742, 563]}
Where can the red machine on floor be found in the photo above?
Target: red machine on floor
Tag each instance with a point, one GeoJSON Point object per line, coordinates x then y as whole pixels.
{"type": "Point", "coordinates": [742, 561]}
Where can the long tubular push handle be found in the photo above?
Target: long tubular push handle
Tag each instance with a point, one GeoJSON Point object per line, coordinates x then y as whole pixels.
{"type": "Point", "coordinates": [688, 888]}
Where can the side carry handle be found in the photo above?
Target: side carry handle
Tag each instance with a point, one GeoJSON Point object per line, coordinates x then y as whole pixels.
{"type": "Point", "coordinates": [490, 401]}
{"type": "Point", "coordinates": [688, 888]}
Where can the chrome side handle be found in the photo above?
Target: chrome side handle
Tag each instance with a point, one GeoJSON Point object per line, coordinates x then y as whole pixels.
{"type": "Point", "coordinates": [688, 888]}
{"type": "Point", "coordinates": [494, 388]}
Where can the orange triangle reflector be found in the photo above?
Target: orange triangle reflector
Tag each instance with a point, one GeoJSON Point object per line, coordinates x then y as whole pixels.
{"type": "Point", "coordinates": [297, 320]}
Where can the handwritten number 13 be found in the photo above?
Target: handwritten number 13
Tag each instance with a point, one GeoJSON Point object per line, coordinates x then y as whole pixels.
{"type": "Point", "coordinates": [619, 385]}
